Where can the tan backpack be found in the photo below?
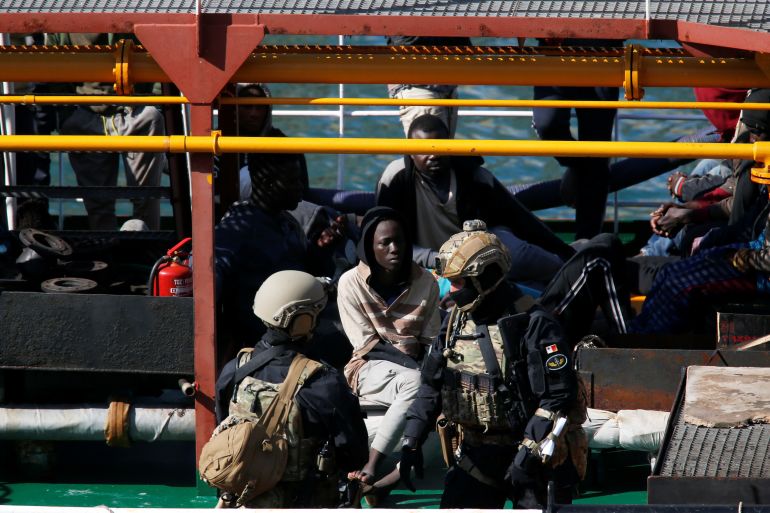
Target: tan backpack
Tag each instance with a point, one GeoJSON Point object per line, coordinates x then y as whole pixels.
{"type": "Point", "coordinates": [248, 457]}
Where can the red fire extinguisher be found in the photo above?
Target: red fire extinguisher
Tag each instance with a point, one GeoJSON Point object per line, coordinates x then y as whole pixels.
{"type": "Point", "coordinates": [172, 275]}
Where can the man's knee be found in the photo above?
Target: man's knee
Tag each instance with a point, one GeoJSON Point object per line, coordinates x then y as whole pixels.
{"type": "Point", "coordinates": [408, 383]}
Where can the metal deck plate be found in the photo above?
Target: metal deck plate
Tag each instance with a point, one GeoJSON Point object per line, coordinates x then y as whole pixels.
{"type": "Point", "coordinates": [753, 14]}
{"type": "Point", "coordinates": [699, 451]}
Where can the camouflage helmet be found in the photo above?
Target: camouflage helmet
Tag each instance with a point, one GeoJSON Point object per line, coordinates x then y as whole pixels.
{"type": "Point", "coordinates": [469, 253]}
{"type": "Point", "coordinates": [290, 301]}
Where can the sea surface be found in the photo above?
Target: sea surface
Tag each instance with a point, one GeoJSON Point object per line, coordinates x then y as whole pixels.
{"type": "Point", "coordinates": [360, 172]}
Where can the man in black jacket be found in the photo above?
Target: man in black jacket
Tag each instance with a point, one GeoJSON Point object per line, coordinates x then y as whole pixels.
{"type": "Point", "coordinates": [437, 193]}
{"type": "Point", "coordinates": [328, 420]}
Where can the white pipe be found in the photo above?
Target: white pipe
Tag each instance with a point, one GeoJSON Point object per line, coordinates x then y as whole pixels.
{"type": "Point", "coordinates": [8, 127]}
{"type": "Point", "coordinates": [146, 424]}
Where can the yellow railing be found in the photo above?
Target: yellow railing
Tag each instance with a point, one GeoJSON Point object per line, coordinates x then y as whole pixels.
{"type": "Point", "coordinates": [759, 151]}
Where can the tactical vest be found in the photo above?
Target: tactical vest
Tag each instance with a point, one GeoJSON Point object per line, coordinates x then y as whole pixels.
{"type": "Point", "coordinates": [250, 399]}
{"type": "Point", "coordinates": [470, 396]}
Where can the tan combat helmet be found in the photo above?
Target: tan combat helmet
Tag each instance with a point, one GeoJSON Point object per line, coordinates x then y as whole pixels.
{"type": "Point", "coordinates": [291, 302]}
{"type": "Point", "coordinates": [468, 253]}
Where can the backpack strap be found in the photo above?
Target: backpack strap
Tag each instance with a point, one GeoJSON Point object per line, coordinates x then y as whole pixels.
{"type": "Point", "coordinates": [277, 413]}
{"type": "Point", "coordinates": [255, 362]}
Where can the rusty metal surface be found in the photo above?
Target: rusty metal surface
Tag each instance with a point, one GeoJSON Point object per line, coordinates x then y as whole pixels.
{"type": "Point", "coordinates": [632, 378]}
{"type": "Point", "coordinates": [707, 465]}
{"type": "Point", "coordinates": [739, 13]}
{"type": "Point", "coordinates": [96, 332]}
{"type": "Point", "coordinates": [203, 280]}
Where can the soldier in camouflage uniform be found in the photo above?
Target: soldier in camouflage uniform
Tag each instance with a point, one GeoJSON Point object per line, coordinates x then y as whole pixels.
{"type": "Point", "coordinates": [501, 372]}
{"type": "Point", "coordinates": [326, 433]}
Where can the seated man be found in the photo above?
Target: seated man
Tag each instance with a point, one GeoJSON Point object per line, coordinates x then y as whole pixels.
{"type": "Point", "coordinates": [257, 238]}
{"type": "Point", "coordinates": [741, 268]}
{"type": "Point", "coordinates": [437, 193]}
{"type": "Point", "coordinates": [389, 310]}
{"type": "Point", "coordinates": [325, 412]}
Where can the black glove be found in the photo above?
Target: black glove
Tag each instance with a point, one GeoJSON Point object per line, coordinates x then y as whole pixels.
{"type": "Point", "coordinates": [525, 465]}
{"type": "Point", "coordinates": [411, 458]}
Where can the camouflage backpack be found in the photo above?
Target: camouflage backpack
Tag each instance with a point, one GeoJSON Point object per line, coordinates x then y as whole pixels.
{"type": "Point", "coordinates": [248, 453]}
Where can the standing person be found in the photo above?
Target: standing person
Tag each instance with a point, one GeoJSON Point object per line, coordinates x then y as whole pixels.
{"type": "Point", "coordinates": [437, 193]}
{"type": "Point", "coordinates": [389, 310]}
{"type": "Point", "coordinates": [585, 181]}
{"type": "Point", "coordinates": [500, 371]}
{"type": "Point", "coordinates": [426, 91]}
{"type": "Point", "coordinates": [101, 168]}
{"type": "Point", "coordinates": [257, 121]}
{"type": "Point", "coordinates": [325, 413]}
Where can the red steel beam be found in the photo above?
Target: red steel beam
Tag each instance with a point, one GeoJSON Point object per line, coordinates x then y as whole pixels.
{"type": "Point", "coordinates": [473, 26]}
{"type": "Point", "coordinates": [204, 296]}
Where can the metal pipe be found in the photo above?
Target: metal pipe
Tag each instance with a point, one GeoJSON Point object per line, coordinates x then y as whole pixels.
{"type": "Point", "coordinates": [758, 151]}
{"type": "Point", "coordinates": [363, 68]}
{"type": "Point", "coordinates": [185, 386]}
{"type": "Point", "coordinates": [76, 422]}
{"type": "Point", "coordinates": [32, 99]}
{"type": "Point", "coordinates": [8, 127]}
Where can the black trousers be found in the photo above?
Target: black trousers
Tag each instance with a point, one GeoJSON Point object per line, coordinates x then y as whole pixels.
{"type": "Point", "coordinates": [461, 490]}
{"type": "Point", "coordinates": [585, 181]}
{"type": "Point", "coordinates": [594, 276]}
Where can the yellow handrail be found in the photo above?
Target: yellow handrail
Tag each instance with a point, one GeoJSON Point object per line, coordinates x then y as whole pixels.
{"type": "Point", "coordinates": [30, 99]}
{"type": "Point", "coordinates": [759, 151]}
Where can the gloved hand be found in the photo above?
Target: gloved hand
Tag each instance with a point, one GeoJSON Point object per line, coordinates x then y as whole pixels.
{"type": "Point", "coordinates": [525, 464]}
{"type": "Point", "coordinates": [411, 458]}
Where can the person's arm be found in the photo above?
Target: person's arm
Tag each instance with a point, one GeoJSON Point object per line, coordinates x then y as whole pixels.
{"type": "Point", "coordinates": [422, 414]}
{"type": "Point", "coordinates": [505, 208]}
{"type": "Point", "coordinates": [355, 322]}
{"type": "Point", "coordinates": [228, 240]}
{"type": "Point", "coordinates": [748, 259]}
{"type": "Point", "coordinates": [553, 380]}
{"type": "Point", "coordinates": [424, 257]}
{"type": "Point", "coordinates": [432, 324]}
{"type": "Point", "coordinates": [327, 400]}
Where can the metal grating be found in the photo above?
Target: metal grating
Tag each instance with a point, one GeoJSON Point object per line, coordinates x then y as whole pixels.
{"type": "Point", "coordinates": [752, 14]}
{"type": "Point", "coordinates": [98, 6]}
{"type": "Point", "coordinates": [697, 451]}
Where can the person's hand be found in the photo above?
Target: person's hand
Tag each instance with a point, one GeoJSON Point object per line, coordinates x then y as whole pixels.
{"type": "Point", "coordinates": [411, 458]}
{"type": "Point", "coordinates": [333, 233]}
{"type": "Point", "coordinates": [673, 220]}
{"type": "Point", "coordinates": [739, 259]}
{"type": "Point", "coordinates": [673, 183]}
{"type": "Point", "coordinates": [655, 216]}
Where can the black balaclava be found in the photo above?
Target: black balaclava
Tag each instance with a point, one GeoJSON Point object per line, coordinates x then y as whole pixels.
{"type": "Point", "coordinates": [371, 219]}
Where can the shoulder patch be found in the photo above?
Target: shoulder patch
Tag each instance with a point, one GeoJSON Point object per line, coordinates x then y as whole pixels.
{"type": "Point", "coordinates": [556, 362]}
